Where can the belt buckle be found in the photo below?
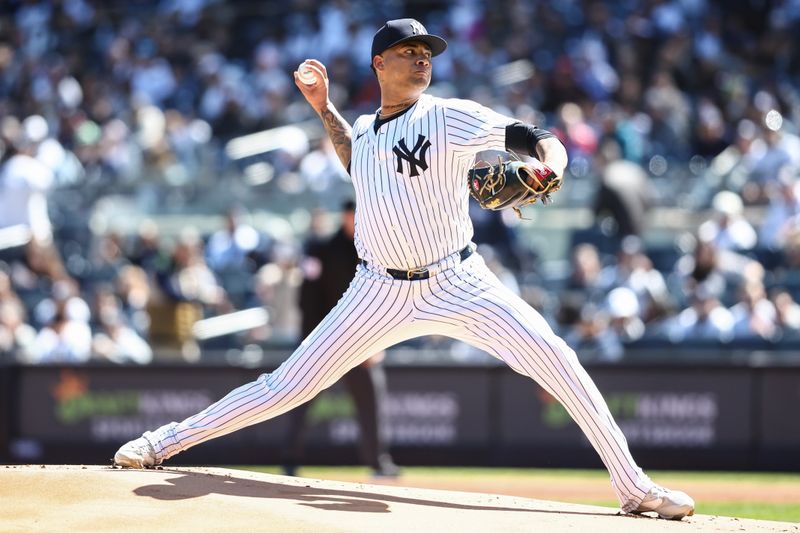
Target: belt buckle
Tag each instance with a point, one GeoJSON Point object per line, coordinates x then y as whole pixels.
{"type": "Point", "coordinates": [416, 272]}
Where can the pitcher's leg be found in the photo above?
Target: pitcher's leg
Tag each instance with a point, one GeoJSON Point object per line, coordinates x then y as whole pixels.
{"type": "Point", "coordinates": [487, 315]}
{"type": "Point", "coordinates": [367, 320]}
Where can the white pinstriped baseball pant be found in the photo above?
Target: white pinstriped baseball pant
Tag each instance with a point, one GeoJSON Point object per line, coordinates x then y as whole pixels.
{"type": "Point", "coordinates": [466, 302]}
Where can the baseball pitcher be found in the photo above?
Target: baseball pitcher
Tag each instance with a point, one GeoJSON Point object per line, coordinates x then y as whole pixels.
{"type": "Point", "coordinates": [412, 166]}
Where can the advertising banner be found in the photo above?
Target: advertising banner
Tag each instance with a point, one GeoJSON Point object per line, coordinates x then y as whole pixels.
{"type": "Point", "coordinates": [654, 407]}
{"type": "Point", "coordinates": [6, 399]}
{"type": "Point", "coordinates": [780, 398]}
{"type": "Point", "coordinates": [95, 405]}
{"type": "Point", "coordinates": [732, 417]}
{"type": "Point", "coordinates": [430, 407]}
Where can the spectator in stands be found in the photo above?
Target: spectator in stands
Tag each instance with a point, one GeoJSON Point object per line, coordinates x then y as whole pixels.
{"type": "Point", "coordinates": [787, 273]}
{"type": "Point", "coordinates": [7, 293]}
{"type": "Point", "coordinates": [146, 251]}
{"type": "Point", "coordinates": [625, 313]}
{"type": "Point", "coordinates": [582, 286]}
{"type": "Point", "coordinates": [25, 184]}
{"type": "Point", "coordinates": [584, 276]}
{"type": "Point", "coordinates": [624, 193]}
{"type": "Point", "coordinates": [782, 146]}
{"type": "Point", "coordinates": [709, 138]}
{"type": "Point", "coordinates": [229, 247]}
{"type": "Point", "coordinates": [634, 270]}
{"type": "Point", "coordinates": [65, 291]}
{"type": "Point", "coordinates": [783, 213]}
{"type": "Point", "coordinates": [276, 285]}
{"type": "Point", "coordinates": [618, 127]}
{"type": "Point", "coordinates": [106, 258]}
{"type": "Point", "coordinates": [17, 337]}
{"type": "Point", "coordinates": [728, 230]}
{"type": "Point", "coordinates": [114, 340]}
{"type": "Point", "coordinates": [731, 169]}
{"type": "Point", "coordinates": [592, 337]}
{"type": "Point", "coordinates": [188, 277]}
{"type": "Point", "coordinates": [114, 112]}
{"type": "Point", "coordinates": [669, 110]}
{"type": "Point", "coordinates": [705, 320]}
{"type": "Point", "coordinates": [571, 126]}
{"type": "Point", "coordinates": [233, 253]}
{"type": "Point", "coordinates": [187, 291]}
{"type": "Point", "coordinates": [322, 172]}
{"type": "Point", "coordinates": [64, 339]}
{"type": "Point", "coordinates": [718, 271]}
{"type": "Point", "coordinates": [754, 314]}
{"type": "Point", "coordinates": [133, 290]}
{"type": "Point", "coordinates": [787, 314]}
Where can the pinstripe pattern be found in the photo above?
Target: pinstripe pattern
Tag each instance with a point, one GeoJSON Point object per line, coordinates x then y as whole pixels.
{"type": "Point", "coordinates": [412, 212]}
{"type": "Point", "coordinates": [480, 311]}
{"type": "Point", "coordinates": [466, 302]}
{"type": "Point", "coordinates": [405, 221]}
{"type": "Point", "coordinates": [366, 320]}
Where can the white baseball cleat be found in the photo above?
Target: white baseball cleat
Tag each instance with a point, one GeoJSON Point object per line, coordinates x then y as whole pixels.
{"type": "Point", "coordinates": [137, 453]}
{"type": "Point", "coordinates": [669, 504]}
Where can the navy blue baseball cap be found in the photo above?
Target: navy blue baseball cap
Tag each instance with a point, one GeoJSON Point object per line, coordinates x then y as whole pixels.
{"type": "Point", "coordinates": [401, 30]}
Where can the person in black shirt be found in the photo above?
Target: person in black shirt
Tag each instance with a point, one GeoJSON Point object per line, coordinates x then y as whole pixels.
{"type": "Point", "coordinates": [328, 267]}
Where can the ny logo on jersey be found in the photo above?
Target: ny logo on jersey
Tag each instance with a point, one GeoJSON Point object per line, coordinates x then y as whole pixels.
{"type": "Point", "coordinates": [402, 152]}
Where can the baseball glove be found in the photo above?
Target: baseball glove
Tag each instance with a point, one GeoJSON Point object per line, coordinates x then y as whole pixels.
{"type": "Point", "coordinates": [512, 184]}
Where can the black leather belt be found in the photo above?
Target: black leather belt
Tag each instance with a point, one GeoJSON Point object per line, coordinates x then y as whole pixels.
{"type": "Point", "coordinates": [419, 273]}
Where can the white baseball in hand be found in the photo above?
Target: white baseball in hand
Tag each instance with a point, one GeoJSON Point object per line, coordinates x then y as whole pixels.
{"type": "Point", "coordinates": [305, 74]}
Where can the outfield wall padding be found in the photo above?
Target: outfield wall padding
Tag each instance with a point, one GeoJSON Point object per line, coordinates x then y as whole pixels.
{"type": "Point", "coordinates": [674, 416]}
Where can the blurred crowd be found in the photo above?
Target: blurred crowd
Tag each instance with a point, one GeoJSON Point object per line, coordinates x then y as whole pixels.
{"type": "Point", "coordinates": [690, 106]}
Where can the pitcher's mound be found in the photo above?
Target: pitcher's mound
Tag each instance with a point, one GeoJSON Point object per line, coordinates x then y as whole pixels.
{"type": "Point", "coordinates": [91, 498]}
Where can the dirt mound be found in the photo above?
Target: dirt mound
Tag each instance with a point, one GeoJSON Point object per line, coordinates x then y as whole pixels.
{"type": "Point", "coordinates": [92, 498]}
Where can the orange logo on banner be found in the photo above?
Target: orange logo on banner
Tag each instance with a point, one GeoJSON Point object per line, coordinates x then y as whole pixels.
{"type": "Point", "coordinates": [70, 385]}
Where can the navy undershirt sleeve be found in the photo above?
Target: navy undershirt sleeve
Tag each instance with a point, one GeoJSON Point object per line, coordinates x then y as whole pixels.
{"type": "Point", "coordinates": [522, 137]}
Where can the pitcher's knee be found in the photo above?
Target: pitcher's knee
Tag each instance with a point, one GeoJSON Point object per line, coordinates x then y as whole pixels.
{"type": "Point", "coordinates": [290, 392]}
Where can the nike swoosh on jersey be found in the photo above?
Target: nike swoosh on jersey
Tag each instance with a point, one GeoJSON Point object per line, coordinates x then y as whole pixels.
{"type": "Point", "coordinates": [360, 135]}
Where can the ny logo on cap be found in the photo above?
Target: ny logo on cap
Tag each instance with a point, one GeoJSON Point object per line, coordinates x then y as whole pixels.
{"type": "Point", "coordinates": [417, 28]}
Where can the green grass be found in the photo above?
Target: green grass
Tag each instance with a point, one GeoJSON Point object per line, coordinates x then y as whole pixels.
{"type": "Point", "coordinates": [759, 510]}
{"type": "Point", "coordinates": [781, 512]}
{"type": "Point", "coordinates": [730, 477]}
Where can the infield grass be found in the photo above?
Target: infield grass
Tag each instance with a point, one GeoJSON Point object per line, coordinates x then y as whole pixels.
{"type": "Point", "coordinates": [756, 495]}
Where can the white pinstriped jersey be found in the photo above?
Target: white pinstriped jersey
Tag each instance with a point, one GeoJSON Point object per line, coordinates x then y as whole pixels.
{"type": "Point", "coordinates": [410, 179]}
{"type": "Point", "coordinates": [412, 211]}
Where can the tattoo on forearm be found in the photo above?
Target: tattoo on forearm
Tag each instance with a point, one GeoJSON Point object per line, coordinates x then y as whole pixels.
{"type": "Point", "coordinates": [340, 133]}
